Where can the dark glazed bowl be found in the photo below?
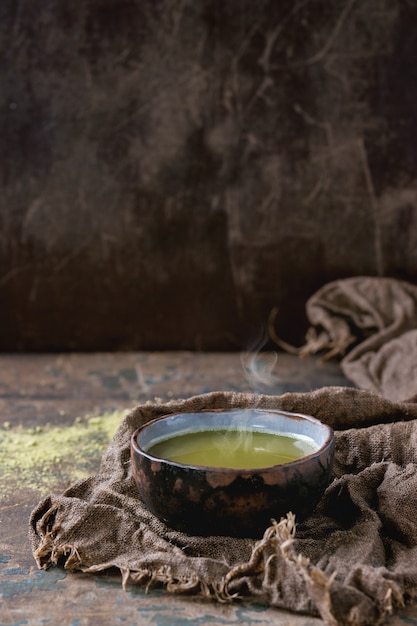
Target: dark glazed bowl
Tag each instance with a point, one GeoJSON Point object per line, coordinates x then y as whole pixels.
{"type": "Point", "coordinates": [203, 500]}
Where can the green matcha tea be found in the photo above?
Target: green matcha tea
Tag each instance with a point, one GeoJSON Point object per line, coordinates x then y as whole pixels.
{"type": "Point", "coordinates": [236, 449]}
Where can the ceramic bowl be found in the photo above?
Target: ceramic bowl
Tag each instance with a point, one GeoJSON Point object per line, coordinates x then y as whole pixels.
{"type": "Point", "coordinates": [210, 500]}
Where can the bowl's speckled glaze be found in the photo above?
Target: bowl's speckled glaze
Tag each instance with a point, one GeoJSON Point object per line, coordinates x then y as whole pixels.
{"type": "Point", "coordinates": [222, 501]}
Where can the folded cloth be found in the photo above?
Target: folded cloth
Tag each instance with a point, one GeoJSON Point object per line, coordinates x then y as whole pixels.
{"type": "Point", "coordinates": [351, 562]}
{"type": "Point", "coordinates": [372, 324]}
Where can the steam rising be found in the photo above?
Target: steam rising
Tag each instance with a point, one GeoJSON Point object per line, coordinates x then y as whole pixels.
{"type": "Point", "coordinates": [259, 368]}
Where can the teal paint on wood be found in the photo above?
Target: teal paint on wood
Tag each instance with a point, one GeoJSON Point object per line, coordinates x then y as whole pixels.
{"type": "Point", "coordinates": [42, 581]}
{"type": "Point", "coordinates": [4, 558]}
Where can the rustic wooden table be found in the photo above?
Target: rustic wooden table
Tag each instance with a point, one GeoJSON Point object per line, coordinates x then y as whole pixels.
{"type": "Point", "coordinates": [57, 414]}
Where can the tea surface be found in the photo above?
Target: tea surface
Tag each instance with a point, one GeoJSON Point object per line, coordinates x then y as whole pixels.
{"type": "Point", "coordinates": [235, 449]}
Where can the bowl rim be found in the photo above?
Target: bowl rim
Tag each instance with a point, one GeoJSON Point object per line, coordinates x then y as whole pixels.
{"type": "Point", "coordinates": [327, 444]}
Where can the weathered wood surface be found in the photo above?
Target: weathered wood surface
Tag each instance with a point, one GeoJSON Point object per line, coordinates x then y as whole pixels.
{"type": "Point", "coordinates": [46, 394]}
{"type": "Point", "coordinates": [171, 171]}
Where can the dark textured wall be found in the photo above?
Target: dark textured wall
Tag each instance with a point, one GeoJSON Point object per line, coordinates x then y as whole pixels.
{"type": "Point", "coordinates": [171, 170]}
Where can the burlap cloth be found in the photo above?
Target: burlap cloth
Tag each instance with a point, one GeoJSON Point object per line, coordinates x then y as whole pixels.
{"type": "Point", "coordinates": [351, 562]}
{"type": "Point", "coordinates": [372, 324]}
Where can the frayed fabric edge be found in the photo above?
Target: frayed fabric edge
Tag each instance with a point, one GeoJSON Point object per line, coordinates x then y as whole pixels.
{"type": "Point", "coordinates": [279, 537]}
{"type": "Point", "coordinates": [276, 544]}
